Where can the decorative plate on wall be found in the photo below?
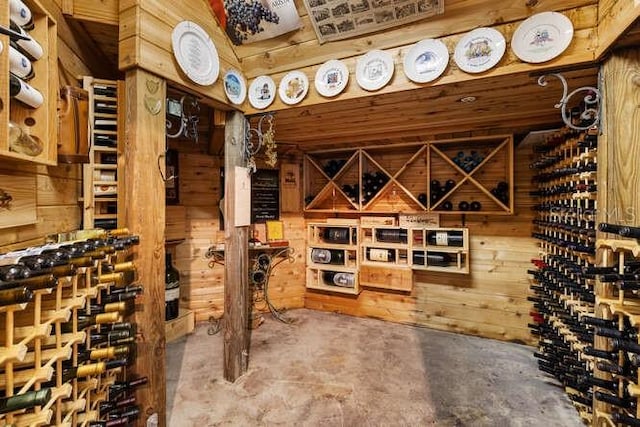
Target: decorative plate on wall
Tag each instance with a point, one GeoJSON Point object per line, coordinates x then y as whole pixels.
{"type": "Point", "coordinates": [374, 70]}
{"type": "Point", "coordinates": [262, 92]}
{"type": "Point", "coordinates": [331, 78]}
{"type": "Point", "coordinates": [480, 50]}
{"type": "Point", "coordinates": [195, 52]}
{"type": "Point", "coordinates": [542, 37]}
{"type": "Point", "coordinates": [235, 87]}
{"type": "Point", "coordinates": [293, 87]}
{"type": "Point", "coordinates": [426, 61]}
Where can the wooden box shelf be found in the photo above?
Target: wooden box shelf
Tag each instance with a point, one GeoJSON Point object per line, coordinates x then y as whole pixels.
{"type": "Point", "coordinates": [40, 123]}
{"type": "Point", "coordinates": [333, 257]}
{"type": "Point", "coordinates": [406, 177]}
{"type": "Point", "coordinates": [450, 243]}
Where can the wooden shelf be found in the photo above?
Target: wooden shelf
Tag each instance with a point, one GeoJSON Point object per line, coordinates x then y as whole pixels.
{"type": "Point", "coordinates": [399, 178]}
{"type": "Point", "coordinates": [41, 122]}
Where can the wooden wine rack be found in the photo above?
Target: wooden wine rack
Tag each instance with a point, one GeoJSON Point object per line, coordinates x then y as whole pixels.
{"type": "Point", "coordinates": [336, 181]}
{"type": "Point", "coordinates": [33, 347]}
{"type": "Point", "coordinates": [39, 122]}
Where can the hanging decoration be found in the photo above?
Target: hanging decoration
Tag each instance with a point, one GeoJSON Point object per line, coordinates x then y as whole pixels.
{"type": "Point", "coordinates": [341, 19]}
{"type": "Point", "coordinates": [582, 117]}
{"type": "Point", "coordinates": [263, 135]}
{"type": "Point", "coordinates": [247, 21]}
{"type": "Point", "coordinates": [184, 115]}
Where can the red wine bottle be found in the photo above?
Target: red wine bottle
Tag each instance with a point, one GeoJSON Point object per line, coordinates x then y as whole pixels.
{"type": "Point", "coordinates": [327, 256]}
{"type": "Point", "coordinates": [381, 255]}
{"type": "Point", "coordinates": [391, 235]}
{"type": "Point", "coordinates": [445, 238]}
{"type": "Point", "coordinates": [336, 278]}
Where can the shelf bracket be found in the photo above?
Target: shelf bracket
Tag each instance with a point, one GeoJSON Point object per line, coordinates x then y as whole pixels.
{"type": "Point", "coordinates": [589, 107]}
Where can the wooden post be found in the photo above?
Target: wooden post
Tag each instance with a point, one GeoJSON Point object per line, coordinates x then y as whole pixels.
{"type": "Point", "coordinates": [619, 176]}
{"type": "Point", "coordinates": [236, 263]}
{"type": "Point", "coordinates": [144, 214]}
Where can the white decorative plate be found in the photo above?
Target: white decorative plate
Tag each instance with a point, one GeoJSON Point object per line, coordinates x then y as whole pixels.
{"type": "Point", "coordinates": [195, 53]}
{"type": "Point", "coordinates": [374, 69]}
{"type": "Point", "coordinates": [293, 87]}
{"type": "Point", "coordinates": [479, 50]}
{"type": "Point", "coordinates": [262, 92]}
{"type": "Point", "coordinates": [234, 86]}
{"type": "Point", "coordinates": [542, 37]}
{"type": "Point", "coordinates": [426, 61]}
{"type": "Point", "coordinates": [331, 78]}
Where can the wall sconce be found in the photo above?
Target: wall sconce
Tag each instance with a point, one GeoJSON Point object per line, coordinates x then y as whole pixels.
{"type": "Point", "coordinates": [589, 109]}
{"type": "Point", "coordinates": [186, 113]}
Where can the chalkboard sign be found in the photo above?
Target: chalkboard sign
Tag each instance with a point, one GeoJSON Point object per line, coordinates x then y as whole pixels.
{"type": "Point", "coordinates": [265, 195]}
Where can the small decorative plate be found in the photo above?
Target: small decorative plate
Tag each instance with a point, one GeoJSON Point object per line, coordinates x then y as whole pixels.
{"type": "Point", "coordinates": [426, 61]}
{"type": "Point", "coordinates": [293, 87]}
{"type": "Point", "coordinates": [195, 52]}
{"type": "Point", "coordinates": [542, 37]}
{"type": "Point", "coordinates": [262, 92]}
{"type": "Point", "coordinates": [374, 69]}
{"type": "Point", "coordinates": [235, 87]}
{"type": "Point", "coordinates": [331, 78]}
{"type": "Point", "coordinates": [479, 50]}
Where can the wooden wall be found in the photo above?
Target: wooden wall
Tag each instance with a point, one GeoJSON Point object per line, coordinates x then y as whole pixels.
{"type": "Point", "coordinates": [490, 302]}
{"type": "Point", "coordinates": [202, 287]}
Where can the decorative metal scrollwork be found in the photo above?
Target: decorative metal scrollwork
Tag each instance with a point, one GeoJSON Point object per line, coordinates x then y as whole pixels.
{"type": "Point", "coordinates": [188, 117]}
{"type": "Point", "coordinates": [263, 135]}
{"type": "Point", "coordinates": [5, 199]}
{"type": "Point", "coordinates": [590, 105]}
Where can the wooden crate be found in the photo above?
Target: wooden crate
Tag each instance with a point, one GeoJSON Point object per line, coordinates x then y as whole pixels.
{"type": "Point", "coordinates": [394, 278]}
{"type": "Point", "coordinates": [182, 325]}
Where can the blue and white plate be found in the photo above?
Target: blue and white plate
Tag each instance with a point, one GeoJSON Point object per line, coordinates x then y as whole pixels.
{"type": "Point", "coordinates": [235, 87]}
{"type": "Point", "coordinates": [426, 61]}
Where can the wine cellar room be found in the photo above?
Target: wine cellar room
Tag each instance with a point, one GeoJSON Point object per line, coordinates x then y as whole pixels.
{"type": "Point", "coordinates": [311, 212]}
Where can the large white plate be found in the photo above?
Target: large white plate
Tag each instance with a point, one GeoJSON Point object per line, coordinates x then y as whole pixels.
{"type": "Point", "coordinates": [293, 87]}
{"type": "Point", "coordinates": [195, 52]}
{"type": "Point", "coordinates": [331, 78]}
{"type": "Point", "coordinates": [262, 92]}
{"type": "Point", "coordinates": [426, 60]}
{"type": "Point", "coordinates": [479, 50]}
{"type": "Point", "coordinates": [374, 69]}
{"type": "Point", "coordinates": [542, 37]}
{"type": "Point", "coordinates": [234, 86]}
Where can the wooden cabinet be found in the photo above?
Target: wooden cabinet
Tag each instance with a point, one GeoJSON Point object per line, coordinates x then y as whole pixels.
{"type": "Point", "coordinates": [333, 257]}
{"type": "Point", "coordinates": [102, 175]}
{"type": "Point", "coordinates": [471, 176]}
{"type": "Point", "coordinates": [40, 124]}
{"type": "Point", "coordinates": [440, 249]}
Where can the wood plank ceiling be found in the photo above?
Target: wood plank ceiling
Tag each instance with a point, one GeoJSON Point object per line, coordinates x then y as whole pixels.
{"type": "Point", "coordinates": [512, 103]}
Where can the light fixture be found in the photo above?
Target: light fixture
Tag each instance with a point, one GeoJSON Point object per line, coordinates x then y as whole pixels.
{"type": "Point", "coordinates": [468, 99]}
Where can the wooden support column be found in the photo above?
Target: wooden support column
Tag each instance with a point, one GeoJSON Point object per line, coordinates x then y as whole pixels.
{"type": "Point", "coordinates": [236, 263]}
{"type": "Point", "coordinates": [144, 214]}
{"type": "Point", "coordinates": [619, 147]}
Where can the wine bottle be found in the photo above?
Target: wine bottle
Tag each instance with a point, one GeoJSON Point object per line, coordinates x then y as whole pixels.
{"type": "Point", "coordinates": [327, 256]}
{"type": "Point", "coordinates": [463, 206]}
{"type": "Point", "coordinates": [106, 407]}
{"type": "Point", "coordinates": [130, 413]}
{"type": "Point", "coordinates": [70, 373]}
{"type": "Point", "coordinates": [25, 400]}
{"type": "Point", "coordinates": [112, 338]}
{"type": "Point", "coordinates": [21, 14]}
{"type": "Point", "coordinates": [445, 238]}
{"type": "Point", "coordinates": [27, 45]}
{"type": "Point", "coordinates": [447, 206]}
{"type": "Point", "coordinates": [85, 321]}
{"type": "Point", "coordinates": [342, 279]}
{"type": "Point", "coordinates": [391, 235]}
{"type": "Point", "coordinates": [337, 235]}
{"type": "Point", "coordinates": [120, 297]}
{"type": "Point", "coordinates": [381, 255]}
{"type": "Point", "coordinates": [624, 419]}
{"type": "Point", "coordinates": [113, 290]}
{"type": "Point", "coordinates": [24, 92]}
{"type": "Point", "coordinates": [15, 296]}
{"type": "Point", "coordinates": [606, 227]}
{"type": "Point", "coordinates": [435, 259]}
{"type": "Point", "coordinates": [20, 65]}
{"type": "Point", "coordinates": [105, 90]}
{"type": "Point", "coordinates": [172, 289]}
{"type": "Point", "coordinates": [114, 352]}
{"type": "Point", "coordinates": [118, 388]}
{"type": "Point", "coordinates": [43, 281]}
{"type": "Point", "coordinates": [257, 277]}
{"type": "Point", "coordinates": [475, 206]}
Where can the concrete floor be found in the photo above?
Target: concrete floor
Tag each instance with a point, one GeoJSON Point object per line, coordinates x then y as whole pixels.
{"type": "Point", "coordinates": [333, 370]}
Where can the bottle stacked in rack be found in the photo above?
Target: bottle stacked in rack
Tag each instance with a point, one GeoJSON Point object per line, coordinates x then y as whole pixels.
{"type": "Point", "coordinates": [64, 334]}
{"type": "Point", "coordinates": [564, 279]}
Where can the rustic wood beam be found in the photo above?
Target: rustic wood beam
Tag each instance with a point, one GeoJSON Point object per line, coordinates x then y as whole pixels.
{"type": "Point", "coordinates": [615, 17]}
{"type": "Point", "coordinates": [144, 215]}
{"type": "Point", "coordinates": [104, 11]}
{"type": "Point", "coordinates": [236, 264]}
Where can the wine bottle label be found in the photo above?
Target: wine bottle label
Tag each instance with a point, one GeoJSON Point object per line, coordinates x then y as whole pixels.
{"type": "Point", "coordinates": [442, 238]}
{"type": "Point", "coordinates": [173, 293]}
{"type": "Point", "coordinates": [379, 254]}
{"type": "Point", "coordinates": [321, 256]}
{"type": "Point", "coordinates": [346, 280]}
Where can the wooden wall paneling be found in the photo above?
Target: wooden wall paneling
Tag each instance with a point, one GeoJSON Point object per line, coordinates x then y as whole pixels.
{"type": "Point", "coordinates": [308, 55]}
{"type": "Point", "coordinates": [104, 11]}
{"type": "Point", "coordinates": [144, 215]}
{"type": "Point", "coordinates": [621, 131]}
{"type": "Point", "coordinates": [614, 18]}
{"type": "Point", "coordinates": [17, 200]}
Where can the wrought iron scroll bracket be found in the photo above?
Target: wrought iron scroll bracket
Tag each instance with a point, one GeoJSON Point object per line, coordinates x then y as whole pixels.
{"type": "Point", "coordinates": [590, 105]}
